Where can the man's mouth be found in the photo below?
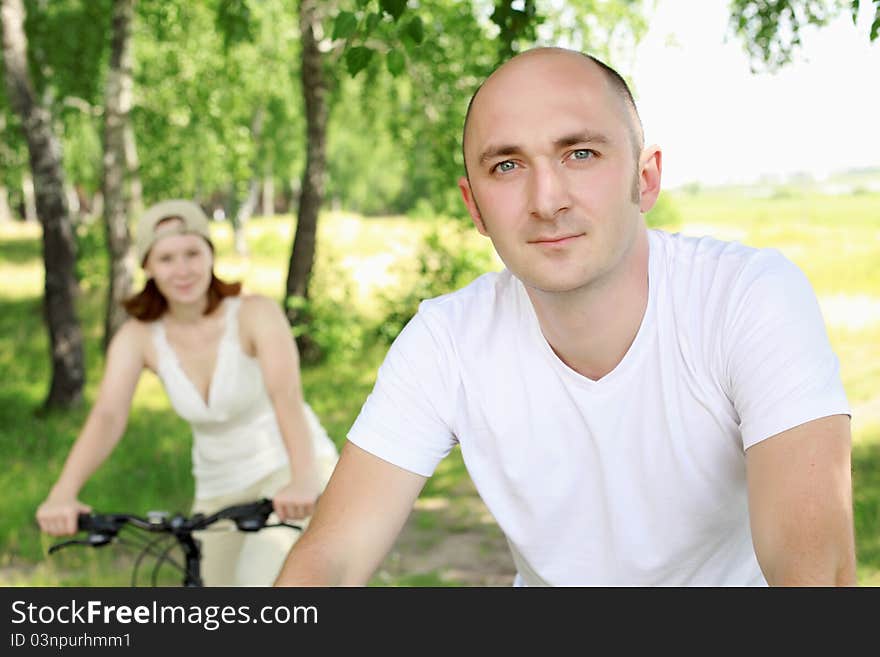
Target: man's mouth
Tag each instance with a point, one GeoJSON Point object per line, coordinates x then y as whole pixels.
{"type": "Point", "coordinates": [556, 240]}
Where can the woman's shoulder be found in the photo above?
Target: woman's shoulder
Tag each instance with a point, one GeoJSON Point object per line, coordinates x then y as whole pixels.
{"type": "Point", "coordinates": [258, 312]}
{"type": "Point", "coordinates": [134, 330]}
{"type": "Point", "coordinates": [258, 304]}
{"type": "Point", "coordinates": [133, 340]}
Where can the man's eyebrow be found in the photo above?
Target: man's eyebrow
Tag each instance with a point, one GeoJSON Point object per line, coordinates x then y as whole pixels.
{"type": "Point", "coordinates": [497, 151]}
{"type": "Point", "coordinates": [582, 137]}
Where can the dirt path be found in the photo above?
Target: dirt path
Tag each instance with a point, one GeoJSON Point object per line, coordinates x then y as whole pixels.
{"type": "Point", "coordinates": [445, 544]}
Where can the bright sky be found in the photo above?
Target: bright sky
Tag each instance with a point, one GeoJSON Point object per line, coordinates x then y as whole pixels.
{"type": "Point", "coordinates": [718, 123]}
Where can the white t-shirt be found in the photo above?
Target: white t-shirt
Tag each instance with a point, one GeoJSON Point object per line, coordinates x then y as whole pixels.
{"type": "Point", "coordinates": [637, 478]}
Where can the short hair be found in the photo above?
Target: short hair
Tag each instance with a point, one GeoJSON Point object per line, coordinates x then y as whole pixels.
{"type": "Point", "coordinates": [618, 85]}
{"type": "Point", "coordinates": [150, 304]}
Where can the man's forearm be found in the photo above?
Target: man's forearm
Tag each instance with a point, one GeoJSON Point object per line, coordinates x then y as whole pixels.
{"type": "Point", "coordinates": [833, 568]}
{"type": "Point", "coordinates": [308, 564]}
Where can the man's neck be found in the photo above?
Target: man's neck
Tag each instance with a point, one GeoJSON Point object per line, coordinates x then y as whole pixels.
{"type": "Point", "coordinates": [593, 327]}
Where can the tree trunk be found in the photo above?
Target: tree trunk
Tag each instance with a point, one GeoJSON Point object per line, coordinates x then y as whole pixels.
{"type": "Point", "coordinates": [59, 247]}
{"type": "Point", "coordinates": [268, 191]}
{"type": "Point", "coordinates": [97, 206]}
{"type": "Point", "coordinates": [30, 201]}
{"type": "Point", "coordinates": [302, 256]}
{"type": "Point", "coordinates": [72, 203]}
{"type": "Point", "coordinates": [117, 107]}
{"type": "Point", "coordinates": [135, 204]}
{"type": "Point", "coordinates": [246, 210]}
{"type": "Point", "coordinates": [5, 210]}
{"type": "Point", "coordinates": [243, 215]}
{"type": "Point", "coordinates": [295, 187]}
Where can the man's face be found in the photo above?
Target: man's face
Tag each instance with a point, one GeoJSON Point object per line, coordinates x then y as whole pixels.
{"type": "Point", "coordinates": [554, 181]}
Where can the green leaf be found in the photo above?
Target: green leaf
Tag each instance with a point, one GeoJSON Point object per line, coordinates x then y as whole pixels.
{"type": "Point", "coordinates": [396, 62]}
{"type": "Point", "coordinates": [234, 22]}
{"type": "Point", "coordinates": [357, 58]}
{"type": "Point", "coordinates": [362, 3]}
{"type": "Point", "coordinates": [875, 26]}
{"type": "Point", "coordinates": [372, 22]}
{"type": "Point", "coordinates": [344, 25]}
{"type": "Point", "coordinates": [393, 7]}
{"type": "Point", "coordinates": [415, 30]}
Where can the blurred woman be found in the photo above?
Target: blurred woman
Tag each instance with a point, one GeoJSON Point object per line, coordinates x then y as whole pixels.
{"type": "Point", "coordinates": [231, 369]}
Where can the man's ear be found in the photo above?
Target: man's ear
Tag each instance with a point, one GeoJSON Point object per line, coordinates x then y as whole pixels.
{"type": "Point", "coordinates": [468, 195]}
{"type": "Point", "coordinates": [650, 168]}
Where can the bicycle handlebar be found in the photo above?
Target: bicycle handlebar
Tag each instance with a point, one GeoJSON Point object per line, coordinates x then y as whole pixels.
{"type": "Point", "coordinates": [103, 528]}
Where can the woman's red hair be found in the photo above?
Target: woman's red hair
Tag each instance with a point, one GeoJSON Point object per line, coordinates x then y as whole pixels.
{"type": "Point", "coordinates": [149, 304]}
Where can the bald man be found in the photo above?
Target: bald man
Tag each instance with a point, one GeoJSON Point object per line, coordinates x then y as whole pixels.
{"type": "Point", "coordinates": [635, 408]}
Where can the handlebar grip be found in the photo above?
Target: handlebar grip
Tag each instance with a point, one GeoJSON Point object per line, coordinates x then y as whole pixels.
{"type": "Point", "coordinates": [248, 517]}
{"type": "Point", "coordinates": [84, 522]}
{"type": "Point", "coordinates": [95, 523]}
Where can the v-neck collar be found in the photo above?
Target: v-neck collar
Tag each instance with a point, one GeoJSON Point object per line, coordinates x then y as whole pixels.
{"type": "Point", "coordinates": [205, 401]}
{"type": "Point", "coordinates": [633, 354]}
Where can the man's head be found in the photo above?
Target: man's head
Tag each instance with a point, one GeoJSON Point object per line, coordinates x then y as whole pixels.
{"type": "Point", "coordinates": [557, 175]}
{"type": "Point", "coordinates": [615, 81]}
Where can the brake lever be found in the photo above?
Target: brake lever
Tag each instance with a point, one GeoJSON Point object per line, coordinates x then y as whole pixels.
{"type": "Point", "coordinates": [93, 540]}
{"type": "Point", "coordinates": [284, 523]}
{"type": "Point", "coordinates": [251, 523]}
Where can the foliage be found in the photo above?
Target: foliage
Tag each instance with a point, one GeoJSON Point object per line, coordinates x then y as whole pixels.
{"type": "Point", "coordinates": [404, 71]}
{"type": "Point", "coordinates": [515, 23]}
{"type": "Point", "coordinates": [771, 29]}
{"type": "Point", "coordinates": [664, 214]}
{"type": "Point", "coordinates": [444, 263]}
{"type": "Point", "coordinates": [198, 89]}
{"type": "Point", "coordinates": [402, 76]}
{"type": "Point", "coordinates": [92, 258]}
{"type": "Point", "coordinates": [425, 62]}
{"type": "Point", "coordinates": [333, 326]}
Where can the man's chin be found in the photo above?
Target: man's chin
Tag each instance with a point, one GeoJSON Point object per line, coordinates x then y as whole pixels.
{"type": "Point", "coordinates": [554, 283]}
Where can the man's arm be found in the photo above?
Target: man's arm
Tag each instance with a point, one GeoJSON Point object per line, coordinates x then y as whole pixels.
{"type": "Point", "coordinates": [800, 503]}
{"type": "Point", "coordinates": [356, 521]}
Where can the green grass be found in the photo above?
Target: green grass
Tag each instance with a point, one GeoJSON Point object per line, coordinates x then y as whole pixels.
{"type": "Point", "coordinates": [835, 240]}
{"type": "Point", "coordinates": [866, 505]}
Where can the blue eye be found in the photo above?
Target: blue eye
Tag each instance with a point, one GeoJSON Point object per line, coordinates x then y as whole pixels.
{"type": "Point", "coordinates": [504, 167]}
{"type": "Point", "coordinates": [582, 154]}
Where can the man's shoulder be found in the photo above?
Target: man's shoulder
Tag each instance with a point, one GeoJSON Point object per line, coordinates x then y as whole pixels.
{"type": "Point", "coordinates": [704, 256]}
{"type": "Point", "coordinates": [474, 313]}
{"type": "Point", "coordinates": [479, 296]}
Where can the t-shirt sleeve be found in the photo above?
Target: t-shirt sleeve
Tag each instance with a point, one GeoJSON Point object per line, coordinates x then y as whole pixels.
{"type": "Point", "coordinates": [407, 417]}
{"type": "Point", "coordinates": [781, 370]}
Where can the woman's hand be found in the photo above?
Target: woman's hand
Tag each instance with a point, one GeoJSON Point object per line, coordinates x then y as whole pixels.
{"type": "Point", "coordinates": [58, 517]}
{"type": "Point", "coordinates": [297, 499]}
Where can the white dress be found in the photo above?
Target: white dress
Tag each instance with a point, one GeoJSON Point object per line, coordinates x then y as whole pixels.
{"type": "Point", "coordinates": [238, 455]}
{"type": "Point", "coordinates": [236, 439]}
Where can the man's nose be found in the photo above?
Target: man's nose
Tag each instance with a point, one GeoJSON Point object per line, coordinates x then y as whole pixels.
{"type": "Point", "coordinates": [549, 190]}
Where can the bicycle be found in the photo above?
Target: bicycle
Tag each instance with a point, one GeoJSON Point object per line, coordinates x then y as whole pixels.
{"type": "Point", "coordinates": [176, 530]}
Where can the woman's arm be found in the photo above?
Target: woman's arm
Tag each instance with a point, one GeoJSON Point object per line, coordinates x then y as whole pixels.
{"type": "Point", "coordinates": [101, 432]}
{"type": "Point", "coordinates": [265, 324]}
